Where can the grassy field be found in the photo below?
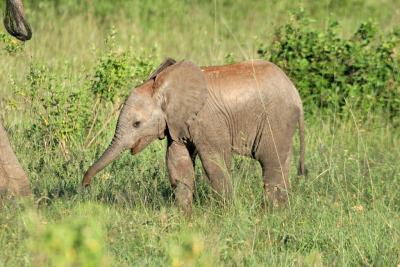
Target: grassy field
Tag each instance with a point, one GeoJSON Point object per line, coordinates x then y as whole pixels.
{"type": "Point", "coordinates": [346, 212]}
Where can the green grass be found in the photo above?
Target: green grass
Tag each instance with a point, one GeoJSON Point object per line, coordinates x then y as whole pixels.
{"type": "Point", "coordinates": [344, 213]}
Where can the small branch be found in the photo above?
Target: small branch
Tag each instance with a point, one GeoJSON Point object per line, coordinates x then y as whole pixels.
{"type": "Point", "coordinates": [96, 114]}
{"type": "Point", "coordinates": [104, 126]}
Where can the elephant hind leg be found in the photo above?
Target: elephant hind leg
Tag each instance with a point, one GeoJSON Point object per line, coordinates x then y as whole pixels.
{"type": "Point", "coordinates": [275, 168]}
{"type": "Point", "coordinates": [274, 153]}
{"type": "Point", "coordinates": [276, 185]}
{"type": "Point", "coordinates": [217, 166]}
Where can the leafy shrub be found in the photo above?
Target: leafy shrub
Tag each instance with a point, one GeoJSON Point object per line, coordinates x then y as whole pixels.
{"type": "Point", "coordinates": [9, 44]}
{"type": "Point", "coordinates": [59, 112]}
{"type": "Point", "coordinates": [116, 69]}
{"type": "Point", "coordinates": [112, 72]}
{"type": "Point", "coordinates": [334, 73]}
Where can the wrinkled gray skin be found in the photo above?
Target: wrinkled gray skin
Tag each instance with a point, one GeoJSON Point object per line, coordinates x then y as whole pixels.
{"type": "Point", "coordinates": [249, 108]}
{"type": "Point", "coordinates": [15, 21]}
{"type": "Point", "coordinates": [13, 180]}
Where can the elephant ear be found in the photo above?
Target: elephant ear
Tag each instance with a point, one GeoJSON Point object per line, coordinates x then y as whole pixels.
{"type": "Point", "coordinates": [168, 62]}
{"type": "Point", "coordinates": [181, 90]}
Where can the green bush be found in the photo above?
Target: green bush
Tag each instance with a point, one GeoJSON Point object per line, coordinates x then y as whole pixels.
{"type": "Point", "coordinates": [9, 44]}
{"type": "Point", "coordinates": [117, 69]}
{"type": "Point", "coordinates": [59, 113]}
{"type": "Point", "coordinates": [335, 73]}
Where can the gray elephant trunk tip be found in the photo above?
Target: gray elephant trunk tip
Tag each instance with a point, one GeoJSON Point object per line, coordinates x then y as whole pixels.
{"type": "Point", "coordinates": [112, 152]}
{"type": "Point", "coordinates": [87, 178]}
{"type": "Point", "coordinates": [15, 21]}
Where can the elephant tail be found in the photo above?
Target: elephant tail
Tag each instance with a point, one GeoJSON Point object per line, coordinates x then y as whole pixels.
{"type": "Point", "coordinates": [302, 169]}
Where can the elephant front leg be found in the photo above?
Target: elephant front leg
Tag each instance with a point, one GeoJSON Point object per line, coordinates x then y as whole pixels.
{"type": "Point", "coordinates": [181, 173]}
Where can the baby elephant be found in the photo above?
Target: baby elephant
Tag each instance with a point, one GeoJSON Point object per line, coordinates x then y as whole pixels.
{"type": "Point", "coordinates": [250, 108]}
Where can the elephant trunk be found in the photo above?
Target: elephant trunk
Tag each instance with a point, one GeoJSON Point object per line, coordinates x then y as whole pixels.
{"type": "Point", "coordinates": [15, 21]}
{"type": "Point", "coordinates": [111, 153]}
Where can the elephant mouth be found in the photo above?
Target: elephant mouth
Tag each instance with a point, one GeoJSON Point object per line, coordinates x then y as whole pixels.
{"type": "Point", "coordinates": [140, 144]}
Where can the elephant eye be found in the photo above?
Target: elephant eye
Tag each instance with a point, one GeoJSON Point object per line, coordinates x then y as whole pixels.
{"type": "Point", "coordinates": [136, 124]}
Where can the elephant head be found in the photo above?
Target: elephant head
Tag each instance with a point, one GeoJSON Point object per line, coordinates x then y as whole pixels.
{"type": "Point", "coordinates": [165, 103]}
{"type": "Point", "coordinates": [15, 21]}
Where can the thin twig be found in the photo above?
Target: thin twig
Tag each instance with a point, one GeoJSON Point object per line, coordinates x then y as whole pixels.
{"type": "Point", "coordinates": [104, 126]}
{"type": "Point", "coordinates": [96, 114]}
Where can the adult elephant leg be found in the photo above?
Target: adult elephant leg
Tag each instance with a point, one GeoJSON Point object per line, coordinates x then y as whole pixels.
{"type": "Point", "coordinates": [181, 173]}
{"type": "Point", "coordinates": [217, 165]}
{"type": "Point", "coordinates": [13, 179]}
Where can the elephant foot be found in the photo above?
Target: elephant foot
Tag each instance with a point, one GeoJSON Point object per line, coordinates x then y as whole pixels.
{"type": "Point", "coordinates": [276, 196]}
{"type": "Point", "coordinates": [184, 198]}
